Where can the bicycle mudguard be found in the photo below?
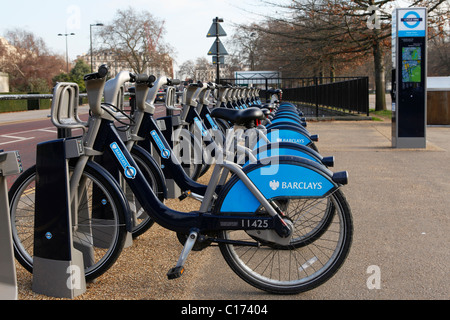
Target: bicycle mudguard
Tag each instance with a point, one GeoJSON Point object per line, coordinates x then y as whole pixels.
{"type": "Point", "coordinates": [288, 109]}
{"type": "Point", "coordinates": [287, 112]}
{"type": "Point", "coordinates": [290, 122]}
{"type": "Point", "coordinates": [287, 104]}
{"type": "Point", "coordinates": [286, 115]}
{"type": "Point", "coordinates": [285, 133]}
{"type": "Point", "coordinates": [284, 176]}
{"type": "Point", "coordinates": [291, 149]}
{"type": "Point", "coordinates": [288, 125]}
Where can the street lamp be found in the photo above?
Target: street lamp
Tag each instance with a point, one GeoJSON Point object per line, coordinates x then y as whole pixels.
{"type": "Point", "coordinates": [67, 50]}
{"type": "Point", "coordinates": [93, 25]}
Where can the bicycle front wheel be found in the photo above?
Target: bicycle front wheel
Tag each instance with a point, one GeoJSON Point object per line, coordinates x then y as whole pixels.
{"type": "Point", "coordinates": [188, 150]}
{"type": "Point", "coordinates": [98, 228]}
{"type": "Point", "coordinates": [142, 220]}
{"type": "Point", "coordinates": [318, 248]}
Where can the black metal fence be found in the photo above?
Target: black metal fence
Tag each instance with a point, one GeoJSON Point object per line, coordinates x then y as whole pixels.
{"type": "Point", "coordinates": [348, 94]}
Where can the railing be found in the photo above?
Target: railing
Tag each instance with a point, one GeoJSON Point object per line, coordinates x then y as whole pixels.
{"type": "Point", "coordinates": [349, 95]}
{"type": "Point", "coordinates": [343, 93]}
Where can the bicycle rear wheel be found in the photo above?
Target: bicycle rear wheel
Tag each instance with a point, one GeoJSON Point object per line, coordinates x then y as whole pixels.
{"type": "Point", "coordinates": [317, 249]}
{"type": "Point", "coordinates": [99, 228]}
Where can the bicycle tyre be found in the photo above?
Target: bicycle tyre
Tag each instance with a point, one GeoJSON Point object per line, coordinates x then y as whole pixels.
{"type": "Point", "coordinates": [155, 178]}
{"type": "Point", "coordinates": [204, 167]}
{"type": "Point", "coordinates": [293, 269]}
{"type": "Point", "coordinates": [184, 140]}
{"type": "Point", "coordinates": [223, 125]}
{"type": "Point", "coordinates": [21, 197]}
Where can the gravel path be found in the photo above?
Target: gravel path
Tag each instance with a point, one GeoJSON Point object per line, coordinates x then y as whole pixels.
{"type": "Point", "coordinates": [140, 273]}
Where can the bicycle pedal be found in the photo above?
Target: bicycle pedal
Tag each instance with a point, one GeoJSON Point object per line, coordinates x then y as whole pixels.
{"type": "Point", "coordinates": [184, 195]}
{"type": "Point", "coordinates": [175, 273]}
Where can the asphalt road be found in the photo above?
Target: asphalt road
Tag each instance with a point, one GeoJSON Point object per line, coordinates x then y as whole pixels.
{"type": "Point", "coordinates": [22, 131]}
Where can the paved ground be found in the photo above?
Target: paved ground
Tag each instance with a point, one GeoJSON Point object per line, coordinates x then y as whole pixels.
{"type": "Point", "coordinates": [399, 200]}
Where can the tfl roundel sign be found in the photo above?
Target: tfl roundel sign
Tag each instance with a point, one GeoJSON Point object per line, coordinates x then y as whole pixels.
{"type": "Point", "coordinates": [411, 22]}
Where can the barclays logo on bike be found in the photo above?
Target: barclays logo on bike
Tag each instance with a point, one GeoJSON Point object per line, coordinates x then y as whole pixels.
{"type": "Point", "coordinates": [200, 127]}
{"type": "Point", "coordinates": [274, 185]}
{"type": "Point", "coordinates": [295, 185]}
{"type": "Point", "coordinates": [165, 153]}
{"type": "Point", "coordinates": [211, 122]}
{"type": "Point", "coordinates": [128, 170]}
{"type": "Point", "coordinates": [295, 140]}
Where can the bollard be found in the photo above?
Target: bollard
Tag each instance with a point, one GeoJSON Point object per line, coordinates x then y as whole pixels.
{"type": "Point", "coordinates": [10, 164]}
{"type": "Point", "coordinates": [58, 268]}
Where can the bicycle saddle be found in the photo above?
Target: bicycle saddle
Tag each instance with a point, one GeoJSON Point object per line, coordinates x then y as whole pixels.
{"type": "Point", "coordinates": [266, 112]}
{"type": "Point", "coordinates": [245, 117]}
{"type": "Point", "coordinates": [269, 106]}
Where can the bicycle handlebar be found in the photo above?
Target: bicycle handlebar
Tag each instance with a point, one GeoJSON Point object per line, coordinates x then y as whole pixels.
{"type": "Point", "coordinates": [142, 78]}
{"type": "Point", "coordinates": [199, 84]}
{"type": "Point", "coordinates": [212, 85]}
{"type": "Point", "coordinates": [159, 83]}
{"type": "Point", "coordinates": [100, 74]}
{"type": "Point", "coordinates": [174, 82]}
{"type": "Point", "coordinates": [95, 83]}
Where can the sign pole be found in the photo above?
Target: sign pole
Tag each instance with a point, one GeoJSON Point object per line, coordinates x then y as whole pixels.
{"type": "Point", "coordinates": [217, 49]}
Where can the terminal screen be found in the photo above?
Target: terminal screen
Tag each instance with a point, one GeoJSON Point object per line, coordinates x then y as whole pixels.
{"type": "Point", "coordinates": [411, 64]}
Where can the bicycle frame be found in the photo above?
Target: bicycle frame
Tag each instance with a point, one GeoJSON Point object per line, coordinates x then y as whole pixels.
{"type": "Point", "coordinates": [102, 136]}
{"type": "Point", "coordinates": [152, 135]}
{"type": "Point", "coordinates": [108, 140]}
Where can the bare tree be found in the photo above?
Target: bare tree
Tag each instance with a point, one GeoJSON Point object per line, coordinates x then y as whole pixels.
{"type": "Point", "coordinates": [439, 57]}
{"type": "Point", "coordinates": [203, 69]}
{"type": "Point", "coordinates": [137, 39]}
{"type": "Point", "coordinates": [29, 63]}
{"type": "Point", "coordinates": [187, 70]}
{"type": "Point", "coordinates": [322, 32]}
{"type": "Point", "coordinates": [246, 45]}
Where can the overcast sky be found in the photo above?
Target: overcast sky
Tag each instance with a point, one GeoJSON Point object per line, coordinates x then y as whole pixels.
{"type": "Point", "coordinates": [186, 21]}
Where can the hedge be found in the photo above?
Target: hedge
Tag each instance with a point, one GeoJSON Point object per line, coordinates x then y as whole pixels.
{"type": "Point", "coordinates": [22, 105]}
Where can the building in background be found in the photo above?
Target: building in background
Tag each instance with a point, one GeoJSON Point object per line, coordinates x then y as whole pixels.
{"type": "Point", "coordinates": [116, 65]}
{"type": "Point", "coordinates": [4, 82]}
{"type": "Point", "coordinates": [5, 50]}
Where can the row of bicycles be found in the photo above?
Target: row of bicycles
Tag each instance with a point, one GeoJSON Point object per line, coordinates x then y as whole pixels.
{"type": "Point", "coordinates": [272, 205]}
